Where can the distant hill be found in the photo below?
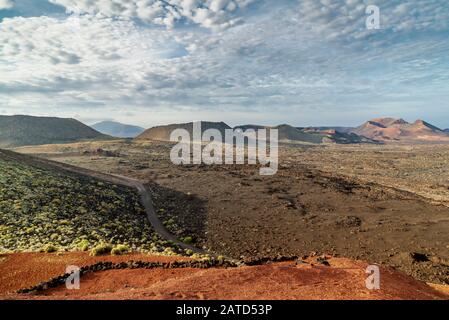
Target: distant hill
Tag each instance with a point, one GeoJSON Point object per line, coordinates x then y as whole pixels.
{"type": "Point", "coordinates": [117, 129]}
{"type": "Point", "coordinates": [390, 129]}
{"type": "Point", "coordinates": [162, 133]}
{"type": "Point", "coordinates": [286, 133]}
{"type": "Point", "coordinates": [289, 133]}
{"type": "Point", "coordinates": [339, 137]}
{"type": "Point", "coordinates": [250, 126]}
{"type": "Point", "coordinates": [21, 130]}
{"type": "Point", "coordinates": [315, 134]}
{"type": "Point", "coordinates": [337, 129]}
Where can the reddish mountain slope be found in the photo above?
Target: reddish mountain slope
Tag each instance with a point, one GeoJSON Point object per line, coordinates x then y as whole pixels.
{"type": "Point", "coordinates": [390, 129]}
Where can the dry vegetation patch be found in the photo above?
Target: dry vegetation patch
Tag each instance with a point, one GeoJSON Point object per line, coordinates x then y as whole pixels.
{"type": "Point", "coordinates": [49, 211]}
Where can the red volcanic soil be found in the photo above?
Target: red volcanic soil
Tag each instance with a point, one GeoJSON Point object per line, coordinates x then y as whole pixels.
{"type": "Point", "coordinates": [23, 270]}
{"type": "Point", "coordinates": [342, 279]}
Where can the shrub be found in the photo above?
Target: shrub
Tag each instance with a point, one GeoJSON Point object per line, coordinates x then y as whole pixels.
{"type": "Point", "coordinates": [49, 248]}
{"type": "Point", "coordinates": [101, 249]}
{"type": "Point", "coordinates": [54, 236]}
{"type": "Point", "coordinates": [169, 222]}
{"type": "Point", "coordinates": [187, 240]}
{"type": "Point", "coordinates": [84, 245]}
{"type": "Point", "coordinates": [119, 250]}
{"type": "Point", "coordinates": [169, 251]}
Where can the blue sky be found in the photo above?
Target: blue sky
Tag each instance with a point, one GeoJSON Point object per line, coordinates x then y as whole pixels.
{"type": "Point", "coordinates": [147, 62]}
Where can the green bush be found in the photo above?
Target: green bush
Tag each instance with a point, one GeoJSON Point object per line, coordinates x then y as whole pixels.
{"type": "Point", "coordinates": [119, 250]}
{"type": "Point", "coordinates": [188, 240]}
{"type": "Point", "coordinates": [84, 245]}
{"type": "Point", "coordinates": [101, 249]}
{"type": "Point", "coordinates": [40, 207]}
{"type": "Point", "coordinates": [169, 252]}
{"type": "Point", "coordinates": [169, 222]}
{"type": "Point", "coordinates": [49, 248]}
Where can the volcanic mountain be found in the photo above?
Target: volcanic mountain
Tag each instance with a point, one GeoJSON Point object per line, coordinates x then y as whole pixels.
{"type": "Point", "coordinates": [162, 133]}
{"type": "Point", "coordinates": [22, 130]}
{"type": "Point", "coordinates": [390, 129]}
{"type": "Point", "coordinates": [339, 137]}
{"type": "Point", "coordinates": [314, 134]}
{"type": "Point", "coordinates": [117, 129]}
{"type": "Point", "coordinates": [285, 131]}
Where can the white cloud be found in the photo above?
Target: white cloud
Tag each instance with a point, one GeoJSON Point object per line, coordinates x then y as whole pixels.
{"type": "Point", "coordinates": [345, 19]}
{"type": "Point", "coordinates": [209, 13]}
{"type": "Point", "coordinates": [83, 59]}
{"type": "Point", "coordinates": [312, 55]}
{"type": "Point", "coordinates": [6, 4]}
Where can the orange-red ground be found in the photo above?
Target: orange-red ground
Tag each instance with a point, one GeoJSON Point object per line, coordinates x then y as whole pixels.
{"type": "Point", "coordinates": [23, 270]}
{"type": "Point", "coordinates": [343, 279]}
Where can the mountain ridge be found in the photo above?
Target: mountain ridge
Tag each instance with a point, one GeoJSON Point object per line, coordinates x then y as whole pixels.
{"type": "Point", "coordinates": [162, 133]}
{"type": "Point", "coordinates": [118, 129]}
{"type": "Point", "coordinates": [286, 133]}
{"type": "Point", "coordinates": [23, 130]}
{"type": "Point", "coordinates": [391, 129]}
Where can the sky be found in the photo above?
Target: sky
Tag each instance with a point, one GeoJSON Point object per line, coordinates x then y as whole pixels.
{"type": "Point", "coordinates": [150, 62]}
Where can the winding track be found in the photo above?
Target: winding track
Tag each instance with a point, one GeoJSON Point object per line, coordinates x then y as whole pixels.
{"type": "Point", "coordinates": [115, 179]}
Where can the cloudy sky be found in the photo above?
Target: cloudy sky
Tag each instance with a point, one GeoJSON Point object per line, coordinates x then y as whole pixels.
{"type": "Point", "coordinates": [147, 62]}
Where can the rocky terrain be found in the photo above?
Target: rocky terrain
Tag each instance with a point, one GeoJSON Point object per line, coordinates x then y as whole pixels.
{"type": "Point", "coordinates": [419, 169]}
{"type": "Point", "coordinates": [314, 204]}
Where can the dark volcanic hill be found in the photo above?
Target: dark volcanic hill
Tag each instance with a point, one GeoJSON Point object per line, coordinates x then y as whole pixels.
{"type": "Point", "coordinates": [21, 130]}
{"type": "Point", "coordinates": [286, 133]}
{"type": "Point", "coordinates": [315, 134]}
{"type": "Point", "coordinates": [339, 137]}
{"type": "Point", "coordinates": [390, 129]}
{"type": "Point", "coordinates": [162, 133]}
{"type": "Point", "coordinates": [337, 129]}
{"type": "Point", "coordinates": [117, 129]}
{"type": "Point", "coordinates": [250, 127]}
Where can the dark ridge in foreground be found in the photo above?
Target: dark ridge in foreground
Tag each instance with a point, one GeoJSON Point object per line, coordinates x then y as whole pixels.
{"type": "Point", "coordinates": [20, 130]}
